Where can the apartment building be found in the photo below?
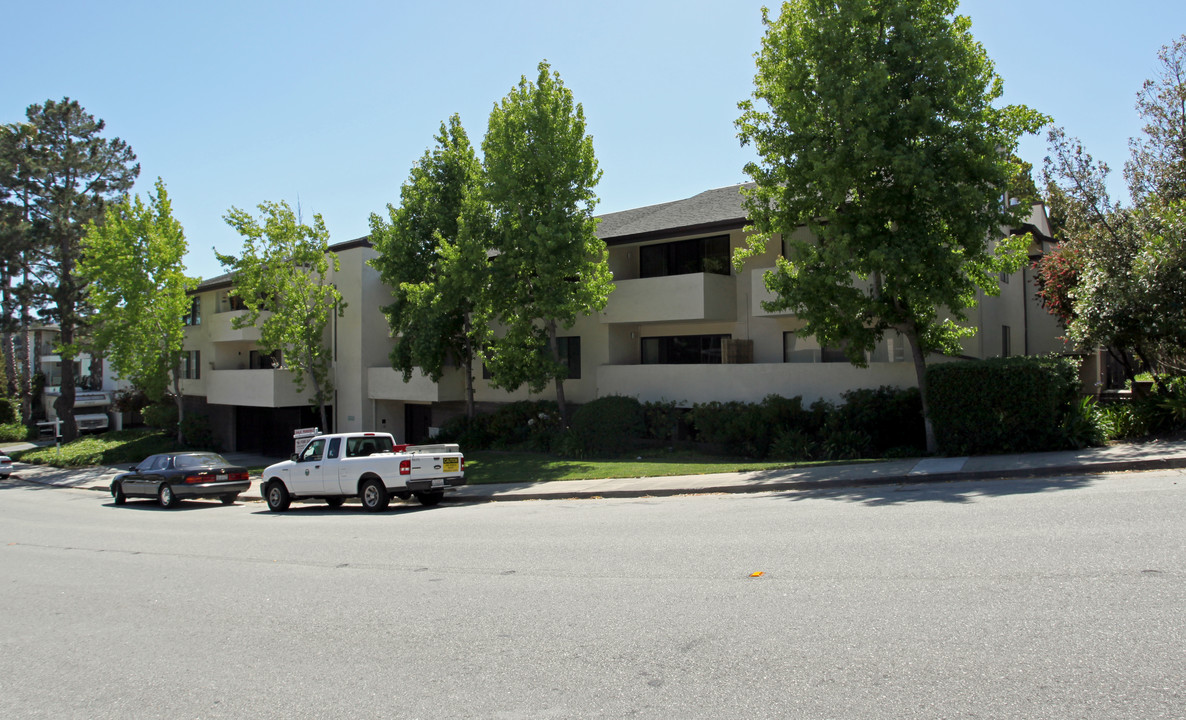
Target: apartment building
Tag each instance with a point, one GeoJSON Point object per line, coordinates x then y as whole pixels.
{"type": "Point", "coordinates": [681, 325]}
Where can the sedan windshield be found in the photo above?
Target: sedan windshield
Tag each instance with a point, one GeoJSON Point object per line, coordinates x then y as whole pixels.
{"type": "Point", "coordinates": [199, 460]}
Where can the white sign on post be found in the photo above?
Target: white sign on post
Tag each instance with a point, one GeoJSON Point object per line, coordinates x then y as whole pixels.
{"type": "Point", "coordinates": [302, 436]}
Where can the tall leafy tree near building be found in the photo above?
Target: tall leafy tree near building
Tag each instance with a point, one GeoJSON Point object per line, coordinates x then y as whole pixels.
{"type": "Point", "coordinates": [283, 279]}
{"type": "Point", "coordinates": [132, 262]}
{"type": "Point", "coordinates": [548, 265]}
{"type": "Point", "coordinates": [1119, 277]}
{"type": "Point", "coordinates": [875, 126]}
{"type": "Point", "coordinates": [59, 175]}
{"type": "Point", "coordinates": [433, 256]}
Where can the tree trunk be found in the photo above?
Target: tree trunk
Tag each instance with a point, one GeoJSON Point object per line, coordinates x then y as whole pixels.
{"type": "Point", "coordinates": [920, 371]}
{"type": "Point", "coordinates": [65, 402]}
{"type": "Point", "coordinates": [177, 398]}
{"type": "Point", "coordinates": [561, 403]}
{"type": "Point", "coordinates": [470, 410]}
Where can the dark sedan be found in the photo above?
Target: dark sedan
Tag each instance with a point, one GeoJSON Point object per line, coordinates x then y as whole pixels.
{"type": "Point", "coordinates": [171, 477]}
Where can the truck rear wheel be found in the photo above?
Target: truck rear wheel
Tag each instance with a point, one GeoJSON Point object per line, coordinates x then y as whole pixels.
{"type": "Point", "coordinates": [373, 495]}
{"type": "Point", "coordinates": [431, 498]}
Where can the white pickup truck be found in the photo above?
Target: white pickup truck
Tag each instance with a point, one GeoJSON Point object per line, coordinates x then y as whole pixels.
{"type": "Point", "coordinates": [367, 465]}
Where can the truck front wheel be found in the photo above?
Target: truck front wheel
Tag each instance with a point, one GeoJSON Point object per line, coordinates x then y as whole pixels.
{"type": "Point", "coordinates": [277, 496]}
{"type": "Point", "coordinates": [373, 495]}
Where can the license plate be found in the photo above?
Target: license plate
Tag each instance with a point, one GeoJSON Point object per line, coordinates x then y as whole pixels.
{"type": "Point", "coordinates": [220, 478]}
{"type": "Point", "coordinates": [451, 464]}
{"type": "Point", "coordinates": [438, 482]}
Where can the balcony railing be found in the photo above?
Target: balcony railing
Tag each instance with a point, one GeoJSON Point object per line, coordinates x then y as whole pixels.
{"type": "Point", "coordinates": [695, 296]}
{"type": "Point", "coordinates": [384, 383]}
{"type": "Point", "coordinates": [254, 388]}
{"type": "Point", "coordinates": [222, 330]}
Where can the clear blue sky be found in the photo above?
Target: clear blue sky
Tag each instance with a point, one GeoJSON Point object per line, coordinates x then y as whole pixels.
{"type": "Point", "coordinates": [234, 103]}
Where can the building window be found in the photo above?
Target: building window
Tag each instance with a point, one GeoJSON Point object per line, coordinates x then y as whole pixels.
{"type": "Point", "coordinates": [194, 316]}
{"type": "Point", "coordinates": [265, 361]}
{"type": "Point", "coordinates": [682, 350]}
{"type": "Point", "coordinates": [834, 354]}
{"type": "Point", "coordinates": [1006, 342]}
{"type": "Point", "coordinates": [683, 257]}
{"type": "Point", "coordinates": [799, 349]}
{"type": "Point", "coordinates": [191, 365]}
{"type": "Point", "coordinates": [570, 355]}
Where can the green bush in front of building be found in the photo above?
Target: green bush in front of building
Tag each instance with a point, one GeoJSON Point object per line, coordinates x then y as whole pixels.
{"type": "Point", "coordinates": [1003, 405]}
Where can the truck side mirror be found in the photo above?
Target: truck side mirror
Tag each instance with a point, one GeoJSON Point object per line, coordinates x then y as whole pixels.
{"type": "Point", "coordinates": [293, 457]}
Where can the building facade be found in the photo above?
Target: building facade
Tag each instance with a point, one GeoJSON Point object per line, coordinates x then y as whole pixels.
{"type": "Point", "coordinates": [682, 325]}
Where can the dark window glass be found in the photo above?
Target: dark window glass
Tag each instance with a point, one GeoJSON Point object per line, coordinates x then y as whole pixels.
{"type": "Point", "coordinates": [682, 350]}
{"type": "Point", "coordinates": [570, 355]}
{"type": "Point", "coordinates": [832, 354]}
{"type": "Point", "coordinates": [683, 257]}
{"type": "Point", "coordinates": [335, 444]}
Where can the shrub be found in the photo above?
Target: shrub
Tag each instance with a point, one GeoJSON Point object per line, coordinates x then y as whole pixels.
{"type": "Point", "coordinates": [664, 420]}
{"type": "Point", "coordinates": [1082, 426]}
{"type": "Point", "coordinates": [13, 432]}
{"type": "Point", "coordinates": [1121, 421]}
{"type": "Point", "coordinates": [1015, 404]}
{"type": "Point", "coordinates": [470, 434]}
{"type": "Point", "coordinates": [196, 430]}
{"type": "Point", "coordinates": [791, 444]}
{"type": "Point", "coordinates": [735, 427]}
{"type": "Point", "coordinates": [889, 417]}
{"type": "Point", "coordinates": [606, 426]}
{"type": "Point", "coordinates": [162, 416]}
{"type": "Point", "coordinates": [10, 411]}
{"type": "Point", "coordinates": [846, 444]}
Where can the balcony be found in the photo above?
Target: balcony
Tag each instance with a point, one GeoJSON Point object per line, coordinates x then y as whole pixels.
{"type": "Point", "coordinates": [384, 383]}
{"type": "Point", "coordinates": [253, 388]}
{"type": "Point", "coordinates": [222, 330]}
{"type": "Point", "coordinates": [695, 296]}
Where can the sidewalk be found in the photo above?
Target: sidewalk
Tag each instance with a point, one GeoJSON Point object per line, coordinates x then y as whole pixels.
{"type": "Point", "coordinates": [1156, 455]}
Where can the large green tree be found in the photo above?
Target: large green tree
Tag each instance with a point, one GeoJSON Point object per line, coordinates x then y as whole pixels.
{"type": "Point", "coordinates": [1128, 292]}
{"type": "Point", "coordinates": [875, 126]}
{"type": "Point", "coordinates": [61, 176]}
{"type": "Point", "coordinates": [548, 265]}
{"type": "Point", "coordinates": [283, 279]}
{"type": "Point", "coordinates": [132, 261]}
{"type": "Point", "coordinates": [435, 261]}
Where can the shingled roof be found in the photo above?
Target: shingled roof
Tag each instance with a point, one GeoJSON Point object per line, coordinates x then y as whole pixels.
{"type": "Point", "coordinates": [710, 211]}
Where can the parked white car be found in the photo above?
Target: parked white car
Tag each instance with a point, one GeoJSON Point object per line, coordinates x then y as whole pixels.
{"type": "Point", "coordinates": [5, 466]}
{"type": "Point", "coordinates": [369, 466]}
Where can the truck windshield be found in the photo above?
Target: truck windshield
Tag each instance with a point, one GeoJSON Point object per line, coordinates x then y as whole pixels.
{"type": "Point", "coordinates": [367, 445]}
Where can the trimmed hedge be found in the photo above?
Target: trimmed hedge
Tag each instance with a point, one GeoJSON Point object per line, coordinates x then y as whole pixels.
{"type": "Point", "coordinates": [606, 426]}
{"type": "Point", "coordinates": [1001, 405]}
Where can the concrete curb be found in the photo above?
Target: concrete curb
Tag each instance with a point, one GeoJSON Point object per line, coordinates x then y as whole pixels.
{"type": "Point", "coordinates": [926, 471]}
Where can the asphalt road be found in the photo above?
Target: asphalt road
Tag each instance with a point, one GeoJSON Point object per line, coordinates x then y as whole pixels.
{"type": "Point", "coordinates": [1052, 598]}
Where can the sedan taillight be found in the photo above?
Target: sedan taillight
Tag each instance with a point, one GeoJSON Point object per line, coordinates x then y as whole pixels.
{"type": "Point", "coordinates": [189, 479]}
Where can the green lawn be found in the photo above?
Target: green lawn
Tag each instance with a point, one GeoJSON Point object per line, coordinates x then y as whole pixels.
{"type": "Point", "coordinates": [112, 448]}
{"type": "Point", "coordinates": [484, 467]}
